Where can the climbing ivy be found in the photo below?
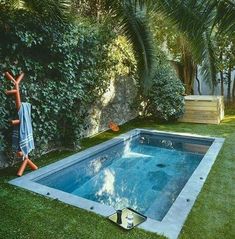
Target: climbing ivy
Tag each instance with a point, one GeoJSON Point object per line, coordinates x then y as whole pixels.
{"type": "Point", "coordinates": [67, 67]}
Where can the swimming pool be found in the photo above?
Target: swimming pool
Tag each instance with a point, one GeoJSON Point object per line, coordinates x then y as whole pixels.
{"type": "Point", "coordinates": [159, 174]}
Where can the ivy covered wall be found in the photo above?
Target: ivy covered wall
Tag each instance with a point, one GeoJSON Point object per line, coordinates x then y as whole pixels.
{"type": "Point", "coordinates": [68, 68]}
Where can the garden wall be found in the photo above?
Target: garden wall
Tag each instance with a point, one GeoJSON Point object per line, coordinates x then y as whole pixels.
{"type": "Point", "coordinates": [117, 104]}
{"type": "Point", "coordinates": [78, 77]}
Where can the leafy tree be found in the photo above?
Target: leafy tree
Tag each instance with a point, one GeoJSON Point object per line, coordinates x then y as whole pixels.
{"type": "Point", "coordinates": [59, 9]}
{"type": "Point", "coordinates": [131, 18]}
{"type": "Point", "coordinates": [67, 66]}
{"type": "Point", "coordinates": [165, 100]}
{"type": "Point", "coordinates": [201, 22]}
{"type": "Point", "coordinates": [226, 63]}
{"type": "Point", "coordinates": [198, 21]}
{"type": "Point", "coordinates": [177, 49]}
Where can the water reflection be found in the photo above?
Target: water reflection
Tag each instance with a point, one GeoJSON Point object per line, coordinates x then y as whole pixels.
{"type": "Point", "coordinates": [145, 173]}
{"type": "Point", "coordinates": [108, 182]}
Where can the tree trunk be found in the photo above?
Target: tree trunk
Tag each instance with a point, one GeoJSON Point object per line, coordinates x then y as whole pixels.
{"type": "Point", "coordinates": [198, 82]}
{"type": "Point", "coordinates": [229, 84]}
{"type": "Point", "coordinates": [188, 69]}
{"type": "Point", "coordinates": [213, 89]}
{"type": "Point", "coordinates": [221, 83]}
{"type": "Point", "coordinates": [233, 90]}
{"type": "Point", "coordinates": [221, 76]}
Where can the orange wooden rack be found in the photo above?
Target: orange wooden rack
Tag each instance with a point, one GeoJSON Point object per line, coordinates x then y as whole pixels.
{"type": "Point", "coordinates": [16, 93]}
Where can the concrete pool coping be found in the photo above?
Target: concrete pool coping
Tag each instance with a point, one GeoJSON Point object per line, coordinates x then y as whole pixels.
{"type": "Point", "coordinates": [173, 221]}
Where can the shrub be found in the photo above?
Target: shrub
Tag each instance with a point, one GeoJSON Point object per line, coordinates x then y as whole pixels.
{"type": "Point", "coordinates": [165, 100]}
{"type": "Point", "coordinates": [67, 67]}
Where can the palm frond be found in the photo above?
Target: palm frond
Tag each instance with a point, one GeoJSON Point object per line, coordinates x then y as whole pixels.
{"type": "Point", "coordinates": [195, 20]}
{"type": "Point", "coordinates": [133, 18]}
{"type": "Point", "coordinates": [192, 18]}
{"type": "Point", "coordinates": [225, 17]}
{"type": "Point", "coordinates": [209, 63]}
{"type": "Point", "coordinates": [12, 3]}
{"type": "Point", "coordinates": [58, 9]}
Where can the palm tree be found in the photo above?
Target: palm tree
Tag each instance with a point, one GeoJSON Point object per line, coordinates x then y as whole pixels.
{"type": "Point", "coordinates": [201, 21]}
{"type": "Point", "coordinates": [58, 9]}
{"type": "Point", "coordinates": [198, 20]}
{"type": "Point", "coordinates": [132, 20]}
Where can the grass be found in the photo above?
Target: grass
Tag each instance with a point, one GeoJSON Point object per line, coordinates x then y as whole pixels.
{"type": "Point", "coordinates": [24, 214]}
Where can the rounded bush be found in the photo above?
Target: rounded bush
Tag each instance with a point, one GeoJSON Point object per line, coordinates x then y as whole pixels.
{"type": "Point", "coordinates": [166, 101]}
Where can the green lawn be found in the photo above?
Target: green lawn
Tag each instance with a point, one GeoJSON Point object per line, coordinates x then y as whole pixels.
{"type": "Point", "coordinates": [27, 215]}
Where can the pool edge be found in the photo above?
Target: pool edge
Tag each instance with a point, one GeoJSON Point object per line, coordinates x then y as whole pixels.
{"type": "Point", "coordinates": [173, 221]}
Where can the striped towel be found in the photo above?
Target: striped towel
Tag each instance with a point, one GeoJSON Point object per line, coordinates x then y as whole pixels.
{"type": "Point", "coordinates": [26, 131]}
{"type": "Point", "coordinates": [15, 139]}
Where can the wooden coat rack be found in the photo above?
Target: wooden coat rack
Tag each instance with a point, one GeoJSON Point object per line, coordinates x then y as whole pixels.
{"type": "Point", "coordinates": [16, 93]}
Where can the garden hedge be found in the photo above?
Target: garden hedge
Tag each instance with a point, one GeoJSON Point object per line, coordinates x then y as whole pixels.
{"type": "Point", "coordinates": [67, 66]}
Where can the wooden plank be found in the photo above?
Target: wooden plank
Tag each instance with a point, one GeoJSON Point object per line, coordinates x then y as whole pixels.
{"type": "Point", "coordinates": [203, 109]}
{"type": "Point", "coordinates": [201, 103]}
{"type": "Point", "coordinates": [202, 113]}
{"type": "Point", "coordinates": [202, 97]}
{"type": "Point", "coordinates": [201, 116]}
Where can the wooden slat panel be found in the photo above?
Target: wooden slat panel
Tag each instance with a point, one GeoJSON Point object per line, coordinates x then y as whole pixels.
{"type": "Point", "coordinates": [203, 109]}
{"type": "Point", "coordinates": [202, 114]}
{"type": "Point", "coordinates": [200, 103]}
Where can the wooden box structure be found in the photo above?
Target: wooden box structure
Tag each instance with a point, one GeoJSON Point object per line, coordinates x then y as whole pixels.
{"type": "Point", "coordinates": [203, 109]}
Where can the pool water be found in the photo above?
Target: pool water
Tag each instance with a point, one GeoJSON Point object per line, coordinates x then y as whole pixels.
{"type": "Point", "coordinates": [146, 172]}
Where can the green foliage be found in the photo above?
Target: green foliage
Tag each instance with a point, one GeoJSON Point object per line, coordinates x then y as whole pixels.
{"type": "Point", "coordinates": [59, 9]}
{"type": "Point", "coordinates": [224, 19]}
{"type": "Point", "coordinates": [133, 18]}
{"type": "Point", "coordinates": [200, 21]}
{"type": "Point", "coordinates": [225, 52]}
{"type": "Point", "coordinates": [3, 113]}
{"type": "Point", "coordinates": [67, 67]}
{"type": "Point", "coordinates": [165, 100]}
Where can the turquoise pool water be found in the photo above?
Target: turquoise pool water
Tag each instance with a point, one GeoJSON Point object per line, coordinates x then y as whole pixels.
{"type": "Point", "coordinates": [146, 172]}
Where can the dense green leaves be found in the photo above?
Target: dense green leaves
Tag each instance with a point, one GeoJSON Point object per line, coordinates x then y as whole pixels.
{"type": "Point", "coordinates": [59, 9]}
{"type": "Point", "coordinates": [165, 100]}
{"type": "Point", "coordinates": [225, 17]}
{"type": "Point", "coordinates": [200, 22]}
{"type": "Point", "coordinates": [135, 24]}
{"type": "Point", "coordinates": [131, 18]}
{"type": "Point", "coordinates": [67, 67]}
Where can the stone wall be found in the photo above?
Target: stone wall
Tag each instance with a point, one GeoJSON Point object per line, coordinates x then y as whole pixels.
{"type": "Point", "coordinates": [116, 104]}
